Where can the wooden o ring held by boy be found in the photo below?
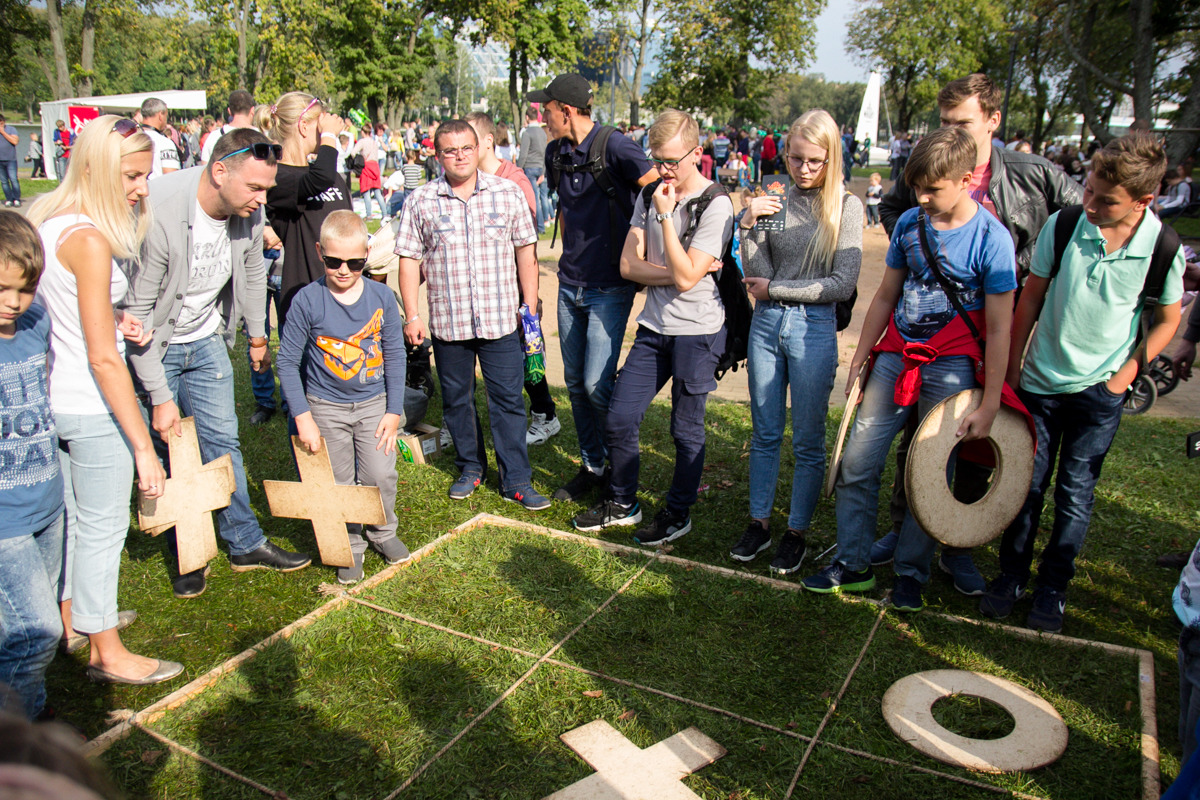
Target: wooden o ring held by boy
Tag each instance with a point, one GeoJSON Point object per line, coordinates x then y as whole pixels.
{"type": "Point", "coordinates": [835, 458]}
{"type": "Point", "coordinates": [940, 514]}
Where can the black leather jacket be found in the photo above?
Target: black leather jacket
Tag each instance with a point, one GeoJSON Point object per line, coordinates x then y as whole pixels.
{"type": "Point", "coordinates": [1026, 190]}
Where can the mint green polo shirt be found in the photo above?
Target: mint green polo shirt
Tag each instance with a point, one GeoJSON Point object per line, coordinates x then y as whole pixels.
{"type": "Point", "coordinates": [1090, 319]}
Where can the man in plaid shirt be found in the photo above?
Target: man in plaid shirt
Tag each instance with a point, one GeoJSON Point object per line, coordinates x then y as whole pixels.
{"type": "Point", "coordinates": [462, 232]}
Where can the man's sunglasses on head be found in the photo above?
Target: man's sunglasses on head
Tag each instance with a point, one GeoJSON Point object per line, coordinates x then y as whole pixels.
{"type": "Point", "coordinates": [260, 150]}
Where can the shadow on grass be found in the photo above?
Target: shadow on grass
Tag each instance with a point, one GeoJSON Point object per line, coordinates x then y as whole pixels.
{"type": "Point", "coordinates": [283, 757]}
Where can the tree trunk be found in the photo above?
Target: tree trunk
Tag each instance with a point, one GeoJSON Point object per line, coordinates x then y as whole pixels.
{"type": "Point", "coordinates": [514, 97]}
{"type": "Point", "coordinates": [87, 49]}
{"type": "Point", "coordinates": [1142, 17]}
{"type": "Point", "coordinates": [62, 69]}
{"type": "Point", "coordinates": [241, 23]}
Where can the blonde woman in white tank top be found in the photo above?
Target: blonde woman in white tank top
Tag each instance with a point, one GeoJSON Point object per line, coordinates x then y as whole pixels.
{"type": "Point", "coordinates": [95, 216]}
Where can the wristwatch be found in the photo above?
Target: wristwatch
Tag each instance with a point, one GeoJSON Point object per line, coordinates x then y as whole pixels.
{"type": "Point", "coordinates": [661, 217]}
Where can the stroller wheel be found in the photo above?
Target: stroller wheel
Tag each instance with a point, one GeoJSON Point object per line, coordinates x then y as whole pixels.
{"type": "Point", "coordinates": [1162, 370]}
{"type": "Point", "coordinates": [1140, 396]}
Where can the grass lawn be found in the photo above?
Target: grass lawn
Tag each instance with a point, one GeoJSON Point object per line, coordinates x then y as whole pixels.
{"type": "Point", "coordinates": [353, 705]}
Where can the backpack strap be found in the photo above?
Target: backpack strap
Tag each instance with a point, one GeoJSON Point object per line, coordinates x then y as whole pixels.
{"type": "Point", "coordinates": [1166, 247]}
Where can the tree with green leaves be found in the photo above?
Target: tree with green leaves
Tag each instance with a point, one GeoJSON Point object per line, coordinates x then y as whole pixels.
{"type": "Point", "coordinates": [727, 55]}
{"type": "Point", "coordinates": [918, 46]}
{"type": "Point", "coordinates": [547, 33]}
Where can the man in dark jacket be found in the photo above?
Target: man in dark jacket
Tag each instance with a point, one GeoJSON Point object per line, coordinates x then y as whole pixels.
{"type": "Point", "coordinates": [1022, 191]}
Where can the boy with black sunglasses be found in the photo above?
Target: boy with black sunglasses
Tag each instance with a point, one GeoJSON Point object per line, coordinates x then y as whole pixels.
{"type": "Point", "coordinates": [341, 368]}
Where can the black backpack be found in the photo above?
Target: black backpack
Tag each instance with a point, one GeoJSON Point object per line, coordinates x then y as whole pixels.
{"type": "Point", "coordinates": [1165, 248]}
{"type": "Point", "coordinates": [738, 311]}
{"type": "Point", "coordinates": [619, 209]}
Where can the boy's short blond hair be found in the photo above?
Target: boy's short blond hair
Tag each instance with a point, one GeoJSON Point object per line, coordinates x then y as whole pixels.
{"type": "Point", "coordinates": [876, 175]}
{"type": "Point", "coordinates": [21, 247]}
{"type": "Point", "coordinates": [942, 154]}
{"type": "Point", "coordinates": [671, 123]}
{"type": "Point", "coordinates": [344, 226]}
{"type": "Point", "coordinates": [1136, 162]}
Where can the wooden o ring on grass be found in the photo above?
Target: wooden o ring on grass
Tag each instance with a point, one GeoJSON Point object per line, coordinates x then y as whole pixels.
{"type": "Point", "coordinates": [835, 458]}
{"type": "Point", "coordinates": [1038, 738]}
{"type": "Point", "coordinates": [935, 508]}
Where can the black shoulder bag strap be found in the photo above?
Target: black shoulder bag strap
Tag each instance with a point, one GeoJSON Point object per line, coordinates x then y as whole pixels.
{"type": "Point", "coordinates": [944, 282]}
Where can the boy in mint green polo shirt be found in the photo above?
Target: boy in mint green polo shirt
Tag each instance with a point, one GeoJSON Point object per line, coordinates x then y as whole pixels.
{"type": "Point", "coordinates": [1082, 359]}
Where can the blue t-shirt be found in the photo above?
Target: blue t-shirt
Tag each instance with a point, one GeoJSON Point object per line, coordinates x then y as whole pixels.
{"type": "Point", "coordinates": [31, 487]}
{"type": "Point", "coordinates": [8, 150]}
{"type": "Point", "coordinates": [587, 258]}
{"type": "Point", "coordinates": [342, 350]}
{"type": "Point", "coordinates": [978, 258]}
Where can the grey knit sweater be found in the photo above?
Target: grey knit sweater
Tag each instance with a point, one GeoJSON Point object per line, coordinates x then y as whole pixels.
{"type": "Point", "coordinates": [782, 256]}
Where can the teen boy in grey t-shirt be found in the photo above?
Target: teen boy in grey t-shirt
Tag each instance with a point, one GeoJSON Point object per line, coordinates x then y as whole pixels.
{"type": "Point", "coordinates": [680, 334]}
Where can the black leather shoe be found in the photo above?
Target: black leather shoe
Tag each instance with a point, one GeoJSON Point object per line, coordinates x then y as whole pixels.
{"type": "Point", "coordinates": [192, 584]}
{"type": "Point", "coordinates": [269, 557]}
{"type": "Point", "coordinates": [261, 415]}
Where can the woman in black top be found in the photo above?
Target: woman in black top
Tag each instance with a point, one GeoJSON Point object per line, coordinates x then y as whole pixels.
{"type": "Point", "coordinates": [304, 193]}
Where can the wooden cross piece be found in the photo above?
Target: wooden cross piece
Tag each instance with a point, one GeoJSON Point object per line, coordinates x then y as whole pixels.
{"type": "Point", "coordinates": [328, 505]}
{"type": "Point", "coordinates": [625, 772]}
{"type": "Point", "coordinates": [189, 497]}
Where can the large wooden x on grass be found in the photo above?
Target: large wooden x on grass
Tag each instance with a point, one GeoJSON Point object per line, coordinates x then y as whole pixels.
{"type": "Point", "coordinates": [189, 497]}
{"type": "Point", "coordinates": [327, 504]}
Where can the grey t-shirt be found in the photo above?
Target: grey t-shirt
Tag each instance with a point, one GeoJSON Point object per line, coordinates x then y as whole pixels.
{"type": "Point", "coordinates": [533, 147]}
{"type": "Point", "coordinates": [697, 311]}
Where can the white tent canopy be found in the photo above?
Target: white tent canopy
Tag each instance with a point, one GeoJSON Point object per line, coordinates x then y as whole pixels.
{"type": "Point", "coordinates": [55, 110]}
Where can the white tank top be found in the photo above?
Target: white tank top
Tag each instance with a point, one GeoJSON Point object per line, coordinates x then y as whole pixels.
{"type": "Point", "coordinates": [73, 389]}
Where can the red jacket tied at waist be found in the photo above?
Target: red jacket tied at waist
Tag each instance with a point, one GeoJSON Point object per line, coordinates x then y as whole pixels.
{"type": "Point", "coordinates": [953, 340]}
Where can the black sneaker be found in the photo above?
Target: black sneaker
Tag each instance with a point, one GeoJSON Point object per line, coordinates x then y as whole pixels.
{"type": "Point", "coordinates": [667, 526]}
{"type": "Point", "coordinates": [1047, 612]}
{"type": "Point", "coordinates": [191, 584]}
{"type": "Point", "coordinates": [1001, 595]}
{"type": "Point", "coordinates": [261, 415]}
{"type": "Point", "coordinates": [836, 578]}
{"type": "Point", "coordinates": [607, 513]}
{"type": "Point", "coordinates": [754, 540]}
{"type": "Point", "coordinates": [790, 553]}
{"type": "Point", "coordinates": [584, 481]}
{"type": "Point", "coordinates": [268, 556]}
{"type": "Point", "coordinates": [906, 594]}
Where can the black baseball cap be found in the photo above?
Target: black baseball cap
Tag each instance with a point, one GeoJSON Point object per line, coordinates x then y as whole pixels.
{"type": "Point", "coordinates": [570, 90]}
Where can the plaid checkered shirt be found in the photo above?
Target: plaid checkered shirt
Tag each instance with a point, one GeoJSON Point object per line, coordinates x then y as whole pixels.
{"type": "Point", "coordinates": [466, 250]}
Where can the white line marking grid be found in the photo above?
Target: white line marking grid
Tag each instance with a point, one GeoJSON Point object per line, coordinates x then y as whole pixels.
{"type": "Point", "coordinates": [129, 721]}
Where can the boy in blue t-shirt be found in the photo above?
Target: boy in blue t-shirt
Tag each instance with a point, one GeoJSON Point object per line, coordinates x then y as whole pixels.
{"type": "Point", "coordinates": [31, 487]}
{"type": "Point", "coordinates": [1083, 357]}
{"type": "Point", "coordinates": [975, 254]}
{"type": "Point", "coordinates": [341, 369]}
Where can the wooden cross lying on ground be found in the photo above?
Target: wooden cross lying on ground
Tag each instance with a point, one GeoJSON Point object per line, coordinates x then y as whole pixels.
{"type": "Point", "coordinates": [328, 505]}
{"type": "Point", "coordinates": [189, 497]}
{"type": "Point", "coordinates": [625, 772]}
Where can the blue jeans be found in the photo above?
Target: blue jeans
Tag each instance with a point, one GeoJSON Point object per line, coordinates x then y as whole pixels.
{"type": "Point", "coordinates": [688, 362]}
{"type": "Point", "coordinates": [201, 379]}
{"type": "Point", "coordinates": [378, 195]}
{"type": "Point", "coordinates": [9, 181]}
{"type": "Point", "coordinates": [263, 383]}
{"type": "Point", "coordinates": [30, 622]}
{"type": "Point", "coordinates": [502, 362]}
{"type": "Point", "coordinates": [541, 192]}
{"type": "Point", "coordinates": [396, 203]}
{"type": "Point", "coordinates": [97, 468]}
{"type": "Point", "coordinates": [1078, 428]}
{"type": "Point", "coordinates": [591, 327]}
{"type": "Point", "coordinates": [879, 420]}
{"type": "Point", "coordinates": [790, 346]}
